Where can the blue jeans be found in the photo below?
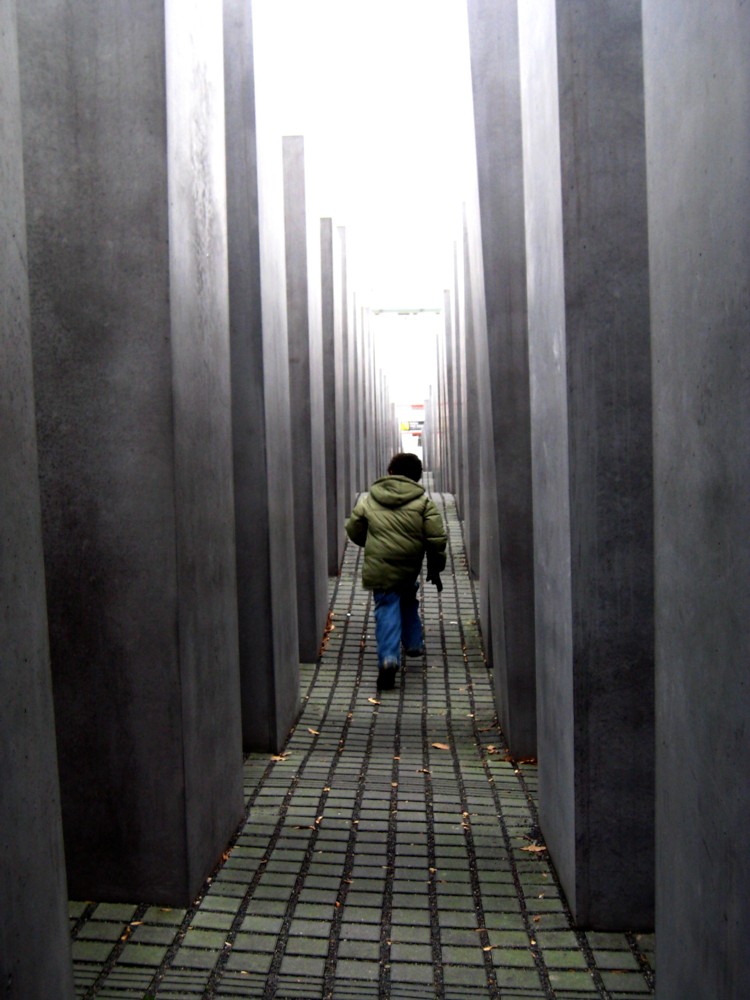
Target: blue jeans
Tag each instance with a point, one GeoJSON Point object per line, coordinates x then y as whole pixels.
{"type": "Point", "coordinates": [397, 621]}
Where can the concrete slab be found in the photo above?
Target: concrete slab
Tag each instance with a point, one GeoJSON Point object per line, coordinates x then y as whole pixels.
{"type": "Point", "coordinates": [262, 446]}
{"type": "Point", "coordinates": [589, 350]}
{"type": "Point", "coordinates": [507, 559]}
{"type": "Point", "coordinates": [697, 67]}
{"type": "Point", "coordinates": [470, 415]}
{"type": "Point", "coordinates": [335, 516]}
{"type": "Point", "coordinates": [305, 332]}
{"type": "Point", "coordinates": [33, 891]}
{"type": "Point", "coordinates": [125, 182]}
{"type": "Point", "coordinates": [284, 701]}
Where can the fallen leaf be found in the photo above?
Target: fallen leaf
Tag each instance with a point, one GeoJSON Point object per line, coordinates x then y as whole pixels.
{"type": "Point", "coordinates": [441, 746]}
{"type": "Point", "coordinates": [488, 947]}
{"type": "Point", "coordinates": [373, 701]}
{"type": "Point", "coordinates": [534, 848]}
{"type": "Point", "coordinates": [313, 732]}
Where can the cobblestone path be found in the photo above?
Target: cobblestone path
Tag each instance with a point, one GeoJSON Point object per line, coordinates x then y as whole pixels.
{"type": "Point", "coordinates": [391, 850]}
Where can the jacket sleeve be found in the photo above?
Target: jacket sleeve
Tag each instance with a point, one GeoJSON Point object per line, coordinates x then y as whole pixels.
{"type": "Point", "coordinates": [356, 525]}
{"type": "Point", "coordinates": [435, 538]}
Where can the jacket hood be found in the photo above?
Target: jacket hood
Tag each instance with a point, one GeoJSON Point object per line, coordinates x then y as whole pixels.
{"type": "Point", "coordinates": [395, 491]}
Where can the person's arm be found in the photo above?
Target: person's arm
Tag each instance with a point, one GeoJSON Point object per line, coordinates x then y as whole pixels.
{"type": "Point", "coordinates": [356, 525]}
{"type": "Point", "coordinates": [435, 538]}
{"type": "Point", "coordinates": [435, 543]}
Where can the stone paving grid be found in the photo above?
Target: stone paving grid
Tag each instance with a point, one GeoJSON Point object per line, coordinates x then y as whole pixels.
{"type": "Point", "coordinates": [373, 863]}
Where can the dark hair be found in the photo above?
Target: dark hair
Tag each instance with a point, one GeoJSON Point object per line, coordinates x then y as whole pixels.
{"type": "Point", "coordinates": [407, 465]}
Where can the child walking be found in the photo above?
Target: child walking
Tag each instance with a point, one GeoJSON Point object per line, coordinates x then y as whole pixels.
{"type": "Point", "coordinates": [397, 524]}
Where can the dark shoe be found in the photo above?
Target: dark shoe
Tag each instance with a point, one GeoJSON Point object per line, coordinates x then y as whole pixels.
{"type": "Point", "coordinates": [387, 677]}
{"type": "Point", "coordinates": [414, 652]}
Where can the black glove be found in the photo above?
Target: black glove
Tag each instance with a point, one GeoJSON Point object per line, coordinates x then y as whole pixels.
{"type": "Point", "coordinates": [433, 576]}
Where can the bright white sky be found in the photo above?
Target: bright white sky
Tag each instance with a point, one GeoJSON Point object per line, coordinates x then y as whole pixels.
{"type": "Point", "coordinates": [381, 91]}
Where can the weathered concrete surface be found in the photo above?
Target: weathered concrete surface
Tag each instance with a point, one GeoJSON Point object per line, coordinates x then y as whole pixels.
{"type": "Point", "coordinates": [371, 430]}
{"type": "Point", "coordinates": [33, 892]}
{"type": "Point", "coordinates": [697, 65]}
{"type": "Point", "coordinates": [353, 332]}
{"type": "Point", "coordinates": [304, 323]}
{"type": "Point", "coordinates": [507, 544]}
{"type": "Point", "coordinates": [334, 514]}
{"type": "Point", "coordinates": [344, 491]}
{"type": "Point", "coordinates": [460, 448]}
{"type": "Point", "coordinates": [125, 181]}
{"type": "Point", "coordinates": [267, 638]}
{"type": "Point", "coordinates": [283, 693]}
{"type": "Point", "coordinates": [450, 479]}
{"type": "Point", "coordinates": [471, 419]}
{"type": "Point", "coordinates": [585, 197]}
{"type": "Point", "coordinates": [486, 501]}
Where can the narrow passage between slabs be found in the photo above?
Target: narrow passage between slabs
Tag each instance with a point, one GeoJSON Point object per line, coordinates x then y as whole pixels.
{"type": "Point", "coordinates": [390, 851]}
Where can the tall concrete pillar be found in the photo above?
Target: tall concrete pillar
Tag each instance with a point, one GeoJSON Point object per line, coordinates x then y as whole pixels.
{"type": "Point", "coordinates": [451, 477]}
{"type": "Point", "coordinates": [126, 198]}
{"type": "Point", "coordinates": [269, 662]}
{"type": "Point", "coordinates": [438, 404]}
{"type": "Point", "coordinates": [335, 515]}
{"type": "Point", "coordinates": [589, 350]}
{"type": "Point", "coordinates": [351, 389]}
{"type": "Point", "coordinates": [304, 320]}
{"type": "Point", "coordinates": [471, 416]}
{"type": "Point", "coordinates": [428, 433]}
{"type": "Point", "coordinates": [33, 890]}
{"type": "Point", "coordinates": [344, 478]}
{"type": "Point", "coordinates": [357, 396]}
{"type": "Point", "coordinates": [697, 66]}
{"type": "Point", "coordinates": [459, 378]}
{"type": "Point", "coordinates": [507, 521]}
{"type": "Point", "coordinates": [373, 469]}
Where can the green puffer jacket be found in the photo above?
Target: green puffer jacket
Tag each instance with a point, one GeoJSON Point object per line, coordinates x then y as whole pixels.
{"type": "Point", "coordinates": [397, 524]}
